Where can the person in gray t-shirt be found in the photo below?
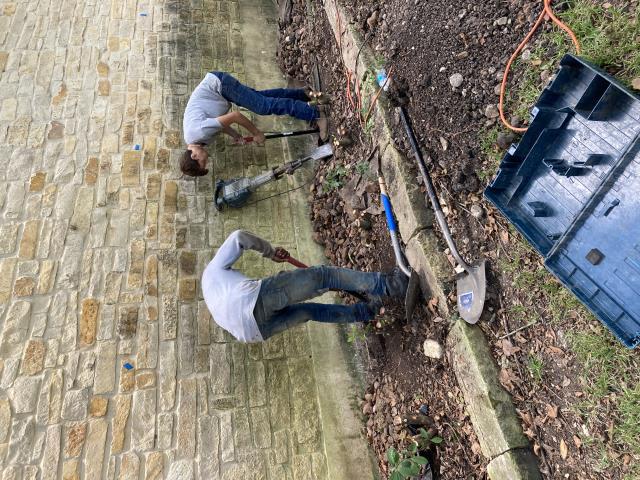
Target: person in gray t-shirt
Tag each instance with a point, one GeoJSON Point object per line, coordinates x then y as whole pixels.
{"type": "Point", "coordinates": [253, 310]}
{"type": "Point", "coordinates": [207, 114]}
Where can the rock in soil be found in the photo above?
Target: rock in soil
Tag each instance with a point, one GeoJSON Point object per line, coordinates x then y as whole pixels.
{"type": "Point", "coordinates": [456, 80]}
{"type": "Point", "coordinates": [432, 349]}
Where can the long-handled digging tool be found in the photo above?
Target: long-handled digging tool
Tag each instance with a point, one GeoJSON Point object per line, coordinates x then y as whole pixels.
{"type": "Point", "coordinates": [270, 135]}
{"type": "Point", "coordinates": [236, 192]}
{"type": "Point", "coordinates": [472, 283]}
{"type": "Point", "coordinates": [413, 290]}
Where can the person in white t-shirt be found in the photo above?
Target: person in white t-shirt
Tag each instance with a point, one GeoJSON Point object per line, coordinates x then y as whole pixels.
{"type": "Point", "coordinates": [254, 310]}
{"type": "Point", "coordinates": [207, 114]}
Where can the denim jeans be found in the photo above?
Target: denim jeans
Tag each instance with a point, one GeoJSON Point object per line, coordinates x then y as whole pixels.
{"type": "Point", "coordinates": [278, 306]}
{"type": "Point", "coordinates": [277, 101]}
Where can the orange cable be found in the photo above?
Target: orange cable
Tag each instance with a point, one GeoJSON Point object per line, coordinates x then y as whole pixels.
{"type": "Point", "coordinates": [375, 98]}
{"type": "Point", "coordinates": [348, 72]}
{"type": "Point", "coordinates": [545, 11]}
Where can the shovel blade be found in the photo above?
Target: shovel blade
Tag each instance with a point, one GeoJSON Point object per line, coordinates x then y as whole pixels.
{"type": "Point", "coordinates": [322, 152]}
{"type": "Point", "coordinates": [411, 297]}
{"type": "Point", "coordinates": [471, 290]}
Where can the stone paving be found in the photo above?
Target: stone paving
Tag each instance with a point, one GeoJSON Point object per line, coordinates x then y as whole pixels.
{"type": "Point", "coordinates": [110, 366]}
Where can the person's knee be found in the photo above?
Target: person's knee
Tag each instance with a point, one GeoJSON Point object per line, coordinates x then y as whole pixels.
{"type": "Point", "coordinates": [319, 275]}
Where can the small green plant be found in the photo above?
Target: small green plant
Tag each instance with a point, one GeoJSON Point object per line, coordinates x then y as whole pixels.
{"type": "Point", "coordinates": [356, 334]}
{"type": "Point", "coordinates": [362, 168]}
{"type": "Point", "coordinates": [407, 463]}
{"type": "Point", "coordinates": [536, 367]}
{"type": "Point", "coordinates": [334, 179]}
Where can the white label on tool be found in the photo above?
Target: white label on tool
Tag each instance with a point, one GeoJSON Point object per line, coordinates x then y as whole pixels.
{"type": "Point", "coordinates": [465, 300]}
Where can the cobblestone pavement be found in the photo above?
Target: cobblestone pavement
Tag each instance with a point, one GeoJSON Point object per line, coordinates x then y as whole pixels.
{"type": "Point", "coordinates": [110, 366]}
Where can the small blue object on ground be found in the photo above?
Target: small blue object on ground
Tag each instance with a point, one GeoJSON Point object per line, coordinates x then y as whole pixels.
{"type": "Point", "coordinates": [128, 366]}
{"type": "Point", "coordinates": [136, 147]}
{"type": "Point", "coordinates": [570, 186]}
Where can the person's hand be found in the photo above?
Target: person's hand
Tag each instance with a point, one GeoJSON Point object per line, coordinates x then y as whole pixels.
{"type": "Point", "coordinates": [281, 255]}
{"type": "Point", "coordinates": [259, 138]}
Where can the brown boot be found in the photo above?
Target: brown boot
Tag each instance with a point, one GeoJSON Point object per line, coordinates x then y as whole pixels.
{"type": "Point", "coordinates": [317, 98]}
{"type": "Point", "coordinates": [323, 128]}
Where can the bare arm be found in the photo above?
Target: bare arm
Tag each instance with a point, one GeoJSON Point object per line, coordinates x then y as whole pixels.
{"type": "Point", "coordinates": [231, 132]}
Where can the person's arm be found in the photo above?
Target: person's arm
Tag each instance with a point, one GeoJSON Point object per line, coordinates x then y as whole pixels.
{"type": "Point", "coordinates": [231, 118]}
{"type": "Point", "coordinates": [232, 133]}
{"type": "Point", "coordinates": [235, 245]}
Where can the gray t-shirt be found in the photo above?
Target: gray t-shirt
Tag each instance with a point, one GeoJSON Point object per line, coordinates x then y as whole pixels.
{"type": "Point", "coordinates": [204, 107]}
{"type": "Point", "coordinates": [229, 295]}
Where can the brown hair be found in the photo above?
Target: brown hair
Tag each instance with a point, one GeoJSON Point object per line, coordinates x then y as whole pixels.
{"type": "Point", "coordinates": [191, 167]}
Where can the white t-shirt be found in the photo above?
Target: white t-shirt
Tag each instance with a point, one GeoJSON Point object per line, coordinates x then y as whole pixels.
{"type": "Point", "coordinates": [205, 105]}
{"type": "Point", "coordinates": [229, 295]}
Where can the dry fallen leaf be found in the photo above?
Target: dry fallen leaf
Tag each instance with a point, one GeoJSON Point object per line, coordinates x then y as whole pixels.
{"type": "Point", "coordinates": [555, 350]}
{"type": "Point", "coordinates": [432, 304]}
{"type": "Point", "coordinates": [577, 441]}
{"type": "Point", "coordinates": [536, 449]}
{"type": "Point", "coordinates": [566, 382]}
{"type": "Point", "coordinates": [504, 236]}
{"type": "Point", "coordinates": [507, 378]}
{"type": "Point", "coordinates": [607, 5]}
{"type": "Point", "coordinates": [508, 348]}
{"type": "Point", "coordinates": [564, 451]}
{"type": "Point", "coordinates": [552, 411]}
{"type": "Point", "coordinates": [635, 83]}
{"type": "Point", "coordinates": [526, 418]}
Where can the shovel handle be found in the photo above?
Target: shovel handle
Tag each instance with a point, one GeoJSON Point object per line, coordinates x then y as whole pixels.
{"type": "Point", "coordinates": [294, 133]}
{"type": "Point", "coordinates": [393, 228]}
{"type": "Point", "coordinates": [295, 262]}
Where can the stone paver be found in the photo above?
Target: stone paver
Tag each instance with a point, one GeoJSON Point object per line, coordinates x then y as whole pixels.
{"type": "Point", "coordinates": [102, 244]}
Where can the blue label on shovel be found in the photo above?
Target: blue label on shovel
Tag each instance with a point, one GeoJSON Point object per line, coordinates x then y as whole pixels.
{"type": "Point", "coordinates": [465, 300]}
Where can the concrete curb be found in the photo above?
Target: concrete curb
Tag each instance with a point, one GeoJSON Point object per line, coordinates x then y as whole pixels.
{"type": "Point", "coordinates": [490, 407]}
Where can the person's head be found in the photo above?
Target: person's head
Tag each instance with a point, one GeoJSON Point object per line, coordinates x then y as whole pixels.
{"type": "Point", "coordinates": [193, 161]}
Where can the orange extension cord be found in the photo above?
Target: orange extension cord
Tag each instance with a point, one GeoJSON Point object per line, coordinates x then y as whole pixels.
{"type": "Point", "coordinates": [350, 75]}
{"type": "Point", "coordinates": [545, 11]}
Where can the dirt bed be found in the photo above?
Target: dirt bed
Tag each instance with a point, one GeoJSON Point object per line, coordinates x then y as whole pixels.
{"type": "Point", "coordinates": [449, 58]}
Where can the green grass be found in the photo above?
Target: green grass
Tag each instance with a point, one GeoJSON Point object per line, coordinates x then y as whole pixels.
{"type": "Point", "coordinates": [609, 37]}
{"type": "Point", "coordinates": [535, 365]}
{"type": "Point", "coordinates": [490, 152]}
{"type": "Point", "coordinates": [612, 391]}
{"type": "Point", "coordinates": [529, 84]}
{"type": "Point", "coordinates": [628, 429]}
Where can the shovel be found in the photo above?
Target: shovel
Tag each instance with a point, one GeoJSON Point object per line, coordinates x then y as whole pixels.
{"type": "Point", "coordinates": [270, 135]}
{"type": "Point", "coordinates": [411, 297]}
{"type": "Point", "coordinates": [472, 282]}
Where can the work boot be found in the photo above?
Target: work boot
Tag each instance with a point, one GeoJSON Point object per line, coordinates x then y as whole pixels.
{"type": "Point", "coordinates": [396, 283]}
{"type": "Point", "coordinates": [374, 306]}
{"type": "Point", "coordinates": [317, 98]}
{"type": "Point", "coordinates": [322, 124]}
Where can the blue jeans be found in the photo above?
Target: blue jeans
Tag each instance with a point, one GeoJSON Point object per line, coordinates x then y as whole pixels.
{"type": "Point", "coordinates": [278, 306]}
{"type": "Point", "coordinates": [277, 101]}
